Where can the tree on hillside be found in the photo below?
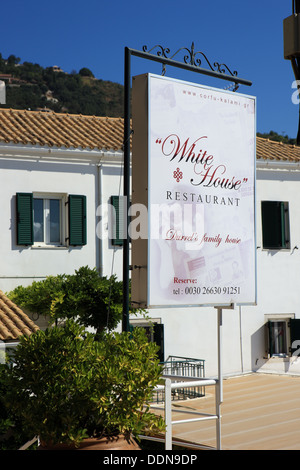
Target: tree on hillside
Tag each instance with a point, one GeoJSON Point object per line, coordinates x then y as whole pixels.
{"type": "Point", "coordinates": [85, 72]}
{"type": "Point", "coordinates": [13, 60]}
{"type": "Point", "coordinates": [272, 135]}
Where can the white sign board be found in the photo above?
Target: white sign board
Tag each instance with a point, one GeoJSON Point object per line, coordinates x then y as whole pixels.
{"type": "Point", "coordinates": [194, 169]}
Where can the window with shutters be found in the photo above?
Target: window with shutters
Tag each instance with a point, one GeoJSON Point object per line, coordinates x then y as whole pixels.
{"type": "Point", "coordinates": [283, 335]}
{"type": "Point", "coordinates": [275, 225]}
{"type": "Point", "coordinates": [51, 219]}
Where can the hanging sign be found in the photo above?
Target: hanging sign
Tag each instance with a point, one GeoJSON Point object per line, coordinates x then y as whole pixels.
{"type": "Point", "coordinates": [193, 169]}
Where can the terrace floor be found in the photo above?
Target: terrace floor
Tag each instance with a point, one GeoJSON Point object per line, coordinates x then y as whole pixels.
{"type": "Point", "coordinates": [259, 412]}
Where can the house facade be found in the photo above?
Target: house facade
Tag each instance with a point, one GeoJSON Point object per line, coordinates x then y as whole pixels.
{"type": "Point", "coordinates": [60, 176]}
{"type": "Point", "coordinates": [55, 173]}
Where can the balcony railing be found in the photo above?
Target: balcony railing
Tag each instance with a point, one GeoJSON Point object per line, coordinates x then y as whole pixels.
{"type": "Point", "coordinates": [183, 367]}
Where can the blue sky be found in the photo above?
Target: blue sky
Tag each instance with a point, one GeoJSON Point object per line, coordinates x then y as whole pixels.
{"type": "Point", "coordinates": [246, 36]}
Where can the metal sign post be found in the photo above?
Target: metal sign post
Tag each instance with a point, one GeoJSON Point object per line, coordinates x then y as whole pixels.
{"type": "Point", "coordinates": [219, 386]}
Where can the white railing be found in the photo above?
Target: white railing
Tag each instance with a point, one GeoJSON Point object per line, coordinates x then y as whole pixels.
{"type": "Point", "coordinates": [185, 382]}
{"type": "Point", "coordinates": [29, 443]}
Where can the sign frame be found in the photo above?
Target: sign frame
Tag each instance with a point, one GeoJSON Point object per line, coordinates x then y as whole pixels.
{"type": "Point", "coordinates": [142, 194]}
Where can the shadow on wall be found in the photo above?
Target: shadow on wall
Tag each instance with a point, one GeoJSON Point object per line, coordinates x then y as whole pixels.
{"type": "Point", "coordinates": [258, 347]}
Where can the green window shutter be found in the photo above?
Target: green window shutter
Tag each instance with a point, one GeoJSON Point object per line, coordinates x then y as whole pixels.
{"type": "Point", "coordinates": [118, 221]}
{"type": "Point", "coordinates": [24, 218]}
{"type": "Point", "coordinates": [274, 230]}
{"type": "Point", "coordinates": [295, 335]}
{"type": "Point", "coordinates": [159, 340]}
{"type": "Point", "coordinates": [77, 219]}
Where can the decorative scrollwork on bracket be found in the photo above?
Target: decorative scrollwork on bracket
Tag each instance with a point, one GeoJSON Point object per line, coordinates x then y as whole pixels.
{"type": "Point", "coordinates": [161, 51]}
{"type": "Point", "coordinates": [192, 59]}
{"type": "Point", "coordinates": [222, 70]}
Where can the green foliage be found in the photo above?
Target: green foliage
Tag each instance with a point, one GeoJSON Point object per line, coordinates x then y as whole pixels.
{"type": "Point", "coordinates": [12, 432]}
{"type": "Point", "coordinates": [40, 295]}
{"type": "Point", "coordinates": [272, 135]}
{"type": "Point", "coordinates": [76, 93]}
{"type": "Point", "coordinates": [96, 301]}
{"type": "Point", "coordinates": [85, 72]}
{"type": "Point", "coordinates": [65, 386]}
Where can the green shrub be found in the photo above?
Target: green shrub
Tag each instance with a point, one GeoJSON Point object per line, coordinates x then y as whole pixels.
{"type": "Point", "coordinates": [95, 301]}
{"type": "Point", "coordinates": [65, 386]}
{"type": "Point", "coordinates": [12, 432]}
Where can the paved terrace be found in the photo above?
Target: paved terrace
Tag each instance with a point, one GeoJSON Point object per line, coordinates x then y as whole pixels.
{"type": "Point", "coordinates": [259, 412]}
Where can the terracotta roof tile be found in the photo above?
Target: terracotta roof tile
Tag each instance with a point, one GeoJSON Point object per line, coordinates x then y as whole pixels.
{"type": "Point", "coordinates": [94, 132]}
{"type": "Point", "coordinates": [60, 130]}
{"type": "Point", "coordinates": [277, 151]}
{"type": "Point", "coordinates": [13, 321]}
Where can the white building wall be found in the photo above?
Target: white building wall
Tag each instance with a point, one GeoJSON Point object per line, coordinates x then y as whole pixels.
{"type": "Point", "coordinates": [188, 332]}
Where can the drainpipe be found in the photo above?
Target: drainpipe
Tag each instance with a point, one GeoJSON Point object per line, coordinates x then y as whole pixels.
{"type": "Point", "coordinates": [99, 260]}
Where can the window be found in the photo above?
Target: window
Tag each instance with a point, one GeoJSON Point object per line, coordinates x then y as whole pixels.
{"type": "Point", "coordinates": [47, 221]}
{"type": "Point", "coordinates": [51, 219]}
{"type": "Point", "coordinates": [283, 335]}
{"type": "Point", "coordinates": [278, 338]}
{"type": "Point", "coordinates": [154, 331]}
{"type": "Point", "coordinates": [275, 225]}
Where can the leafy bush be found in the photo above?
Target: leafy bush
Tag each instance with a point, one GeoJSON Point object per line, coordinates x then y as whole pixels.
{"type": "Point", "coordinates": [96, 301]}
{"type": "Point", "coordinates": [12, 432]}
{"type": "Point", "coordinates": [66, 386]}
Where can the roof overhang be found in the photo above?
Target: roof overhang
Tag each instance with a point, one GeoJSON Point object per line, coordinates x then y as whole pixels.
{"type": "Point", "coordinates": [277, 165]}
{"type": "Point", "coordinates": [79, 155]}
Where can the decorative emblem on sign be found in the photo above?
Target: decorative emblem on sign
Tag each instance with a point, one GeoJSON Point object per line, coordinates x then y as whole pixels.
{"type": "Point", "coordinates": [178, 175]}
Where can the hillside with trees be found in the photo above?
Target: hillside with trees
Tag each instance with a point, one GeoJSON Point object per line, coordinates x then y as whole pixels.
{"type": "Point", "coordinates": [30, 86]}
